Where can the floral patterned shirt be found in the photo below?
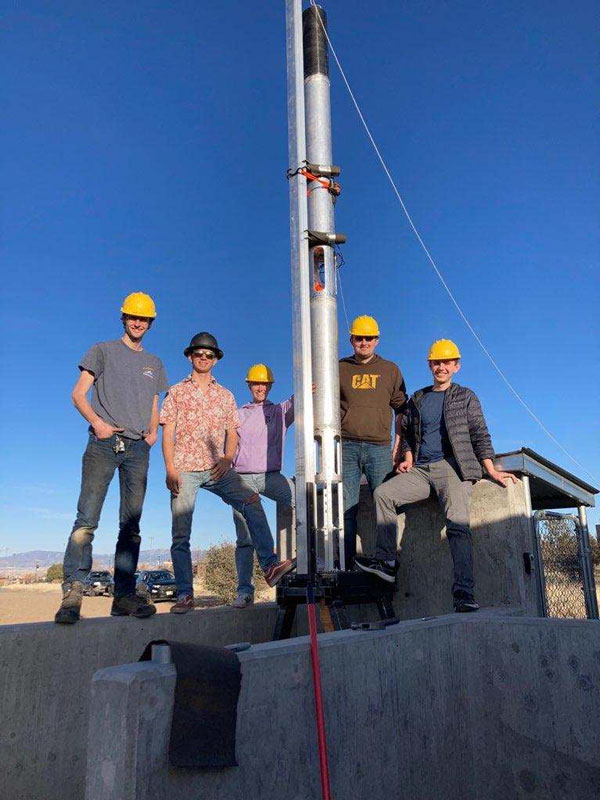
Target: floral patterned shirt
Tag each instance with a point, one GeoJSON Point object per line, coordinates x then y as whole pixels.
{"type": "Point", "coordinates": [201, 418]}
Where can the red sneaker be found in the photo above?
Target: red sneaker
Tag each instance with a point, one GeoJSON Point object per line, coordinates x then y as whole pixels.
{"type": "Point", "coordinates": [276, 571]}
{"type": "Point", "coordinates": [183, 605]}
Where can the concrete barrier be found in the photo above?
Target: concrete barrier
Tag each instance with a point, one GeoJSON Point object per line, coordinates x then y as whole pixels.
{"type": "Point", "coordinates": [464, 706]}
{"type": "Point", "coordinates": [47, 669]}
{"type": "Point", "coordinates": [501, 533]}
{"type": "Point", "coordinates": [136, 702]}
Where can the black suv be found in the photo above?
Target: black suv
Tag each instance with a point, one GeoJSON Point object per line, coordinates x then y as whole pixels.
{"type": "Point", "coordinates": [159, 584]}
{"type": "Point", "coordinates": [98, 582]}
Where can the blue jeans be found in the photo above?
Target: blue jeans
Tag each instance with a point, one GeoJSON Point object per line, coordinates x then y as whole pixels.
{"type": "Point", "coordinates": [374, 461]}
{"type": "Point", "coordinates": [99, 465]}
{"type": "Point", "coordinates": [230, 489]}
{"type": "Point", "coordinates": [276, 487]}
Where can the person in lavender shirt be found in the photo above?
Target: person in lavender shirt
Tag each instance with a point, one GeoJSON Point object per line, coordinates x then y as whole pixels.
{"type": "Point", "coordinates": [258, 460]}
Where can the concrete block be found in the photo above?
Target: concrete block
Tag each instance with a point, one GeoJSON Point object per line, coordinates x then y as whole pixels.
{"type": "Point", "coordinates": [459, 707]}
{"type": "Point", "coordinates": [47, 669]}
{"type": "Point", "coordinates": [46, 674]}
{"type": "Point", "coordinates": [286, 532]}
{"type": "Point", "coordinates": [534, 708]}
{"type": "Point", "coordinates": [501, 534]}
{"type": "Point", "coordinates": [131, 708]}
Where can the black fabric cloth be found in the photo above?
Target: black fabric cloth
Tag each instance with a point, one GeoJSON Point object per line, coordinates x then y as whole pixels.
{"type": "Point", "coordinates": [468, 434]}
{"type": "Point", "coordinates": [205, 708]}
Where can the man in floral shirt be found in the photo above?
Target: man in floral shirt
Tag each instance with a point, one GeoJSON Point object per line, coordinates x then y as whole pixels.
{"type": "Point", "coordinates": [199, 419]}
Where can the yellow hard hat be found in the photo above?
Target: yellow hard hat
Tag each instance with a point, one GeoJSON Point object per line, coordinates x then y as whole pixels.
{"type": "Point", "coordinates": [259, 373]}
{"type": "Point", "coordinates": [364, 326]}
{"type": "Point", "coordinates": [139, 304]}
{"type": "Point", "coordinates": [443, 350]}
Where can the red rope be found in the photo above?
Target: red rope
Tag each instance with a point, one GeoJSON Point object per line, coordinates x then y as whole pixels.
{"type": "Point", "coordinates": [323, 181]}
{"type": "Point", "coordinates": [316, 670]}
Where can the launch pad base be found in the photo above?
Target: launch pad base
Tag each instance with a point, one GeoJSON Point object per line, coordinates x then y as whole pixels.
{"type": "Point", "coordinates": [333, 592]}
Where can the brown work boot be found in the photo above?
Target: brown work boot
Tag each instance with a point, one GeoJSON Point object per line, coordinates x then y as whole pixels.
{"type": "Point", "coordinates": [70, 608]}
{"type": "Point", "coordinates": [276, 571]}
{"type": "Point", "coordinates": [184, 604]}
{"type": "Point", "coordinates": [132, 605]}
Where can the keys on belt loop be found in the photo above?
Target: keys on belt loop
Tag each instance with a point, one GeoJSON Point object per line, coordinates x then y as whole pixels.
{"type": "Point", "coordinates": [119, 445]}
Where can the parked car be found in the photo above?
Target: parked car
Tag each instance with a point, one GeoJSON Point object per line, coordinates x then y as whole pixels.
{"type": "Point", "coordinates": [158, 584]}
{"type": "Point", "coordinates": [98, 582]}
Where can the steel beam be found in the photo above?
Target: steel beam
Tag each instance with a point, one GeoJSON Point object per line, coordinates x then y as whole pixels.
{"type": "Point", "coordinates": [302, 359]}
{"type": "Point", "coordinates": [323, 294]}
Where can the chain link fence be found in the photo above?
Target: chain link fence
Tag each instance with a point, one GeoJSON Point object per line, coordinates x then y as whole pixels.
{"type": "Point", "coordinates": [559, 538]}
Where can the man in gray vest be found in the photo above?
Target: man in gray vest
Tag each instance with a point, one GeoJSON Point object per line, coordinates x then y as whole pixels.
{"type": "Point", "coordinates": [123, 422]}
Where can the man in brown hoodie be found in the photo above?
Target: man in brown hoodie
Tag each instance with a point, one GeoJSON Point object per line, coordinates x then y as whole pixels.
{"type": "Point", "coordinates": [371, 388]}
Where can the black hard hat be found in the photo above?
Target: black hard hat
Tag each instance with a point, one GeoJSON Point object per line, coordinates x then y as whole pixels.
{"type": "Point", "coordinates": [205, 340]}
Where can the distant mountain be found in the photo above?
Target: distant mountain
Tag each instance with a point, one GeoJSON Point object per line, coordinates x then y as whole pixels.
{"type": "Point", "coordinates": [26, 562]}
{"type": "Point", "coordinates": [43, 558]}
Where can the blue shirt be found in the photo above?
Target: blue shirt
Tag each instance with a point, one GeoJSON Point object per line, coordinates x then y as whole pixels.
{"type": "Point", "coordinates": [435, 444]}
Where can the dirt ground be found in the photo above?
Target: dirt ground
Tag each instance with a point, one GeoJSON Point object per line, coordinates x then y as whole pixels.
{"type": "Point", "coordinates": [39, 602]}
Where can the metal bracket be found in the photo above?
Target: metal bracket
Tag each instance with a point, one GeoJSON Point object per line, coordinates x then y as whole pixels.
{"type": "Point", "coordinates": [379, 625]}
{"type": "Point", "coordinates": [324, 170]}
{"type": "Point", "coordinates": [529, 562]}
{"type": "Point", "coordinates": [239, 647]}
{"type": "Point", "coordinates": [316, 238]}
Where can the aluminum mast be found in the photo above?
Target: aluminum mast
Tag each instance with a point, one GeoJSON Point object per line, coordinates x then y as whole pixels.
{"type": "Point", "coordinates": [319, 500]}
{"type": "Point", "coordinates": [323, 289]}
{"type": "Point", "coordinates": [303, 403]}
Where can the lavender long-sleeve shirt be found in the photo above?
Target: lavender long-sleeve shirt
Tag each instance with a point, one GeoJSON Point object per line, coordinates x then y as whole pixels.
{"type": "Point", "coordinates": [262, 433]}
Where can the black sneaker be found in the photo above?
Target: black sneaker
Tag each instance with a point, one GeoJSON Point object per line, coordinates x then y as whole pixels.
{"type": "Point", "coordinates": [70, 608]}
{"type": "Point", "coordinates": [464, 602]}
{"type": "Point", "coordinates": [377, 567]}
{"type": "Point", "coordinates": [132, 605]}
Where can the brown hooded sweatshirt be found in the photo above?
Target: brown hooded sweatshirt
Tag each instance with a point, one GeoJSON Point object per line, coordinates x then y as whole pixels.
{"type": "Point", "coordinates": [368, 394]}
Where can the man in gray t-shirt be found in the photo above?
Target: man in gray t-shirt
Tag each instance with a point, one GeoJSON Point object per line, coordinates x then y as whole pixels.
{"type": "Point", "coordinates": [127, 383]}
{"type": "Point", "coordinates": [123, 422]}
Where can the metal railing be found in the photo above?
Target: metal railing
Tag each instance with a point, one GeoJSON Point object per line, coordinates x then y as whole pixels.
{"type": "Point", "coordinates": [568, 576]}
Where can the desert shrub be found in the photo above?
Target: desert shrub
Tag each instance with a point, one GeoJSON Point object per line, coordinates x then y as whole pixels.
{"type": "Point", "coordinates": [199, 568]}
{"type": "Point", "coordinates": [54, 573]}
{"type": "Point", "coordinates": [217, 569]}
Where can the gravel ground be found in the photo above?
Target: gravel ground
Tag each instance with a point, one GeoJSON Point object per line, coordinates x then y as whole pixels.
{"type": "Point", "coordinates": [39, 602]}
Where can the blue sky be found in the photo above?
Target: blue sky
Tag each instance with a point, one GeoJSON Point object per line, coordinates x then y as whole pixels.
{"type": "Point", "coordinates": [144, 148]}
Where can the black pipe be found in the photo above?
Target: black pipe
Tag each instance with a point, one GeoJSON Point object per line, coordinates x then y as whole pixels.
{"type": "Point", "coordinates": [316, 59]}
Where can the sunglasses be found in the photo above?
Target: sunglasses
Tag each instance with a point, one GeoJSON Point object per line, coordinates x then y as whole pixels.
{"type": "Point", "coordinates": [204, 354]}
{"type": "Point", "coordinates": [365, 338]}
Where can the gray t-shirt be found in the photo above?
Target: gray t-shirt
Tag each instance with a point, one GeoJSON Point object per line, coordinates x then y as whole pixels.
{"type": "Point", "coordinates": [125, 384]}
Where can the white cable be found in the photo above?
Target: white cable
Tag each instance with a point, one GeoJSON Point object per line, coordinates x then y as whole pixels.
{"type": "Point", "coordinates": [432, 262]}
{"type": "Point", "coordinates": [339, 277]}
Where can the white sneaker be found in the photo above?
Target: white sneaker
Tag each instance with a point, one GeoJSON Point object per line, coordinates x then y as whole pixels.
{"type": "Point", "coordinates": [243, 601]}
